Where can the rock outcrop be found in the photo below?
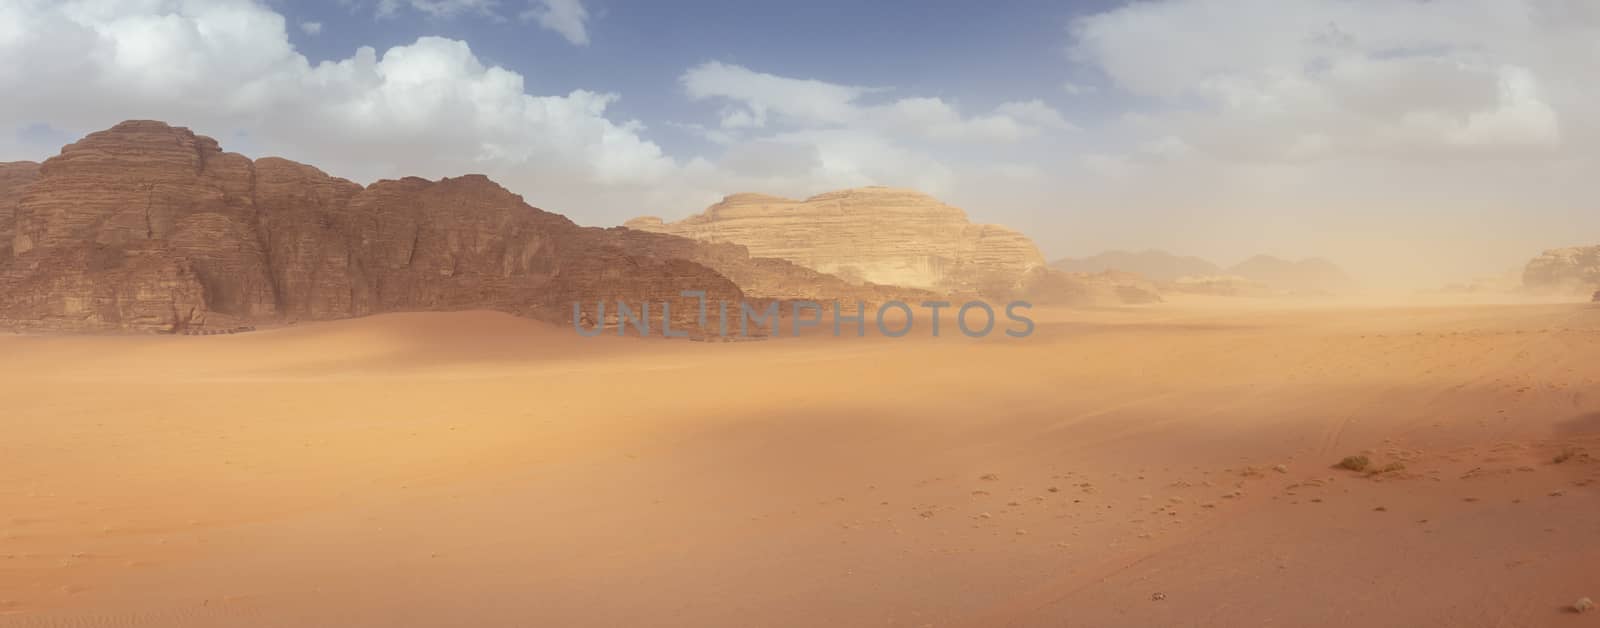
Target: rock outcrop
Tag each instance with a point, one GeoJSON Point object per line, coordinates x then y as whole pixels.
{"type": "Point", "coordinates": [151, 227]}
{"type": "Point", "coordinates": [1572, 270]}
{"type": "Point", "coordinates": [878, 235]}
{"type": "Point", "coordinates": [14, 177]}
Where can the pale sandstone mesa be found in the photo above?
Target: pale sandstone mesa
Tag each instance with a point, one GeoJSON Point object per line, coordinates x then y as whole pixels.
{"type": "Point", "coordinates": [876, 234]}
{"type": "Point", "coordinates": [473, 468]}
{"type": "Point", "coordinates": [874, 237]}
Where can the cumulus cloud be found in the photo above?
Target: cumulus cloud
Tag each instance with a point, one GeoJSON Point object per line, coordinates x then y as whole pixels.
{"type": "Point", "coordinates": [226, 67]}
{"type": "Point", "coordinates": [1363, 127]}
{"type": "Point", "coordinates": [836, 135]}
{"type": "Point", "coordinates": [754, 99]}
{"type": "Point", "coordinates": [1078, 89]}
{"type": "Point", "coordinates": [569, 18]}
{"type": "Point", "coordinates": [311, 28]}
{"type": "Point", "coordinates": [433, 108]}
{"type": "Point", "coordinates": [799, 100]}
{"type": "Point", "coordinates": [435, 8]}
{"type": "Point", "coordinates": [1035, 112]}
{"type": "Point", "coordinates": [1313, 79]}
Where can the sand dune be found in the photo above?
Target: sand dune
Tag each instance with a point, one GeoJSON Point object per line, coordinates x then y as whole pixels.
{"type": "Point", "coordinates": [1142, 467]}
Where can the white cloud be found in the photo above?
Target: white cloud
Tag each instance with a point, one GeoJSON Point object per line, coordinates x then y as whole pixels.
{"type": "Point", "coordinates": [226, 67]}
{"type": "Point", "coordinates": [1078, 89]}
{"type": "Point", "coordinates": [311, 28]}
{"type": "Point", "coordinates": [433, 108]}
{"type": "Point", "coordinates": [1035, 112]}
{"type": "Point", "coordinates": [757, 99]}
{"type": "Point", "coordinates": [851, 135]}
{"type": "Point", "coordinates": [435, 8]}
{"type": "Point", "coordinates": [567, 17]}
{"type": "Point", "coordinates": [799, 100]}
{"type": "Point", "coordinates": [1315, 79]}
{"type": "Point", "coordinates": [1378, 132]}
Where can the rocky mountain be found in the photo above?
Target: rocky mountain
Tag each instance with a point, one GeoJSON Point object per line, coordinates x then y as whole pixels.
{"type": "Point", "coordinates": [1573, 270]}
{"type": "Point", "coordinates": [146, 226]}
{"type": "Point", "coordinates": [1153, 264]}
{"type": "Point", "coordinates": [1262, 275]}
{"type": "Point", "coordinates": [879, 235]}
{"type": "Point", "coordinates": [1310, 276]}
{"type": "Point", "coordinates": [14, 177]}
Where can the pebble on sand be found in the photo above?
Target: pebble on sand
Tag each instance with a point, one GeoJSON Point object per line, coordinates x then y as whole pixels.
{"type": "Point", "coordinates": [1583, 605]}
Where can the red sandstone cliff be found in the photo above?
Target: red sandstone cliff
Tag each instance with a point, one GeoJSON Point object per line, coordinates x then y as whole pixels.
{"type": "Point", "coordinates": [150, 227]}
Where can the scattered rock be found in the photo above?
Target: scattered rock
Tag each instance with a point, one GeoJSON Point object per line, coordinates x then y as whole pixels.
{"type": "Point", "coordinates": [1355, 463]}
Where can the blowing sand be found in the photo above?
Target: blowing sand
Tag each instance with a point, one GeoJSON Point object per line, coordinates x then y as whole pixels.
{"type": "Point", "coordinates": [1169, 466]}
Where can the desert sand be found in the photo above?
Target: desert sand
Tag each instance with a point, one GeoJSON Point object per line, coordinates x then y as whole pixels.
{"type": "Point", "coordinates": [1164, 466]}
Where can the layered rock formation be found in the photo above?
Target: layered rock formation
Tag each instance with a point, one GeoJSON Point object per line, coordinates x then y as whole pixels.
{"type": "Point", "coordinates": [151, 227]}
{"type": "Point", "coordinates": [1574, 270]}
{"type": "Point", "coordinates": [14, 177]}
{"type": "Point", "coordinates": [879, 235]}
{"type": "Point", "coordinates": [146, 226]}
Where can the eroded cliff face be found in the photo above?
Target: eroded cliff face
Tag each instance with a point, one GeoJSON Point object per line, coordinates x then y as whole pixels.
{"type": "Point", "coordinates": [151, 227]}
{"type": "Point", "coordinates": [1572, 270]}
{"type": "Point", "coordinates": [14, 177]}
{"type": "Point", "coordinates": [879, 235]}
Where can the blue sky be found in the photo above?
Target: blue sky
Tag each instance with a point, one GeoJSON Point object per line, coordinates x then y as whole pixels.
{"type": "Point", "coordinates": [978, 59]}
{"type": "Point", "coordinates": [1413, 142]}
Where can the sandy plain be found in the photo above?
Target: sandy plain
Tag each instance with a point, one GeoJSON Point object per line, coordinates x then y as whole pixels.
{"type": "Point", "coordinates": [1169, 465]}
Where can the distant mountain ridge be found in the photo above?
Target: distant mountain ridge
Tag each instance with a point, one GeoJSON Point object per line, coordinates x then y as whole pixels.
{"type": "Point", "coordinates": [1310, 275]}
{"type": "Point", "coordinates": [1152, 263]}
{"type": "Point", "coordinates": [1306, 276]}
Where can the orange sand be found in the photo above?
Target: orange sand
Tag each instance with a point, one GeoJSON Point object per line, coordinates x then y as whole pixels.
{"type": "Point", "coordinates": [473, 469]}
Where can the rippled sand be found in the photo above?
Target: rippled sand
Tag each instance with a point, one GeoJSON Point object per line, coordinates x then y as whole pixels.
{"type": "Point", "coordinates": [1169, 465]}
